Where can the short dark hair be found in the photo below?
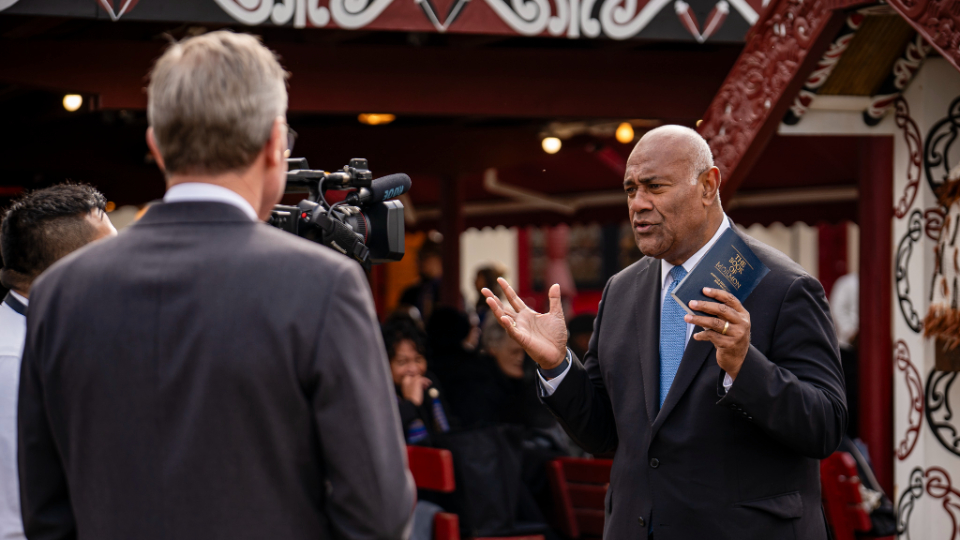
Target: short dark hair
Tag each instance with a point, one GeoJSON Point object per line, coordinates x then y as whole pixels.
{"type": "Point", "coordinates": [398, 329]}
{"type": "Point", "coordinates": [43, 226]}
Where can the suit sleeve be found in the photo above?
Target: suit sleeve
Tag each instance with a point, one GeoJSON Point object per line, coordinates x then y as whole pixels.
{"type": "Point", "coordinates": [370, 493]}
{"type": "Point", "coordinates": [44, 497]}
{"type": "Point", "coordinates": [581, 403]}
{"type": "Point", "coordinates": [797, 394]}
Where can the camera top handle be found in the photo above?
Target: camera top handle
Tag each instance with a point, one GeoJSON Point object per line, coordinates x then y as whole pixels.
{"type": "Point", "coordinates": [300, 178]}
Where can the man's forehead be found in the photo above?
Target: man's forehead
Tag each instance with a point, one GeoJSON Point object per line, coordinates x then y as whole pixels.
{"type": "Point", "coordinates": [644, 162]}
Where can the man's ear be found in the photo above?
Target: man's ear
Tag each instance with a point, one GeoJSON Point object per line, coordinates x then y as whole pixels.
{"type": "Point", "coordinates": [277, 144]}
{"type": "Point", "coordinates": [710, 185]}
{"type": "Point", "coordinates": [154, 150]}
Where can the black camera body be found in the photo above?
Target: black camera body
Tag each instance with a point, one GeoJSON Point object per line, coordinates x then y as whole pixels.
{"type": "Point", "coordinates": [367, 226]}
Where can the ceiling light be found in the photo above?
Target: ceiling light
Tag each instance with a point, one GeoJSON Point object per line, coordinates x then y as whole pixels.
{"type": "Point", "coordinates": [625, 133]}
{"type": "Point", "coordinates": [72, 102]}
{"type": "Point", "coordinates": [375, 119]}
{"type": "Point", "coordinates": [551, 145]}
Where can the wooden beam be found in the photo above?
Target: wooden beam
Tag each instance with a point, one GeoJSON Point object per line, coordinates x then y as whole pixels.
{"type": "Point", "coordinates": [451, 225]}
{"type": "Point", "coordinates": [938, 21]}
{"type": "Point", "coordinates": [876, 340]}
{"type": "Point", "coordinates": [781, 50]}
{"type": "Point", "coordinates": [504, 82]}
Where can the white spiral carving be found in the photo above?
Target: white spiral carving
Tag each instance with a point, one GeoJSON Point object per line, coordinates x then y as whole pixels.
{"type": "Point", "coordinates": [559, 23]}
{"type": "Point", "coordinates": [282, 12]}
{"type": "Point", "coordinates": [527, 17]}
{"type": "Point", "coordinates": [351, 14]}
{"type": "Point", "coordinates": [250, 12]}
{"type": "Point", "coordinates": [619, 21]}
{"type": "Point", "coordinates": [319, 15]}
{"type": "Point", "coordinates": [589, 25]}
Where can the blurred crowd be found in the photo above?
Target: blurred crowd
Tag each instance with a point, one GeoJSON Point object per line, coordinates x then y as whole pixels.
{"type": "Point", "coordinates": [463, 384]}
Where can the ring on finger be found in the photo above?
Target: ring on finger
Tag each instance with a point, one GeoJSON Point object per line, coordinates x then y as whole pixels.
{"type": "Point", "coordinates": [726, 327]}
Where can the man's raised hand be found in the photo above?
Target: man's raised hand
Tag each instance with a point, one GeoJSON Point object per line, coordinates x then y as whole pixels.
{"type": "Point", "coordinates": [542, 335]}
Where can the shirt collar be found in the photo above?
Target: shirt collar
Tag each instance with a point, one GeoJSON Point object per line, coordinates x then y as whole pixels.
{"type": "Point", "coordinates": [203, 192]}
{"type": "Point", "coordinates": [19, 297]}
{"type": "Point", "coordinates": [688, 265]}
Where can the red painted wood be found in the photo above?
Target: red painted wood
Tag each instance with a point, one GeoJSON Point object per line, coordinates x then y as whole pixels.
{"type": "Point", "coordinates": [876, 267]}
{"type": "Point", "coordinates": [579, 489]}
{"type": "Point", "coordinates": [446, 526]}
{"type": "Point", "coordinates": [832, 254]}
{"type": "Point", "coordinates": [587, 496]}
{"type": "Point", "coordinates": [542, 82]}
{"type": "Point", "coordinates": [590, 521]}
{"type": "Point", "coordinates": [523, 278]}
{"type": "Point", "coordinates": [587, 471]}
{"type": "Point", "coordinates": [781, 50]}
{"type": "Point", "coordinates": [840, 488]}
{"type": "Point", "coordinates": [938, 21]}
{"type": "Point", "coordinates": [451, 225]}
{"type": "Point", "coordinates": [432, 468]}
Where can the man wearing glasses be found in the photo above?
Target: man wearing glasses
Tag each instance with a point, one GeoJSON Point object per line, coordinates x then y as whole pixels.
{"type": "Point", "coordinates": [204, 375]}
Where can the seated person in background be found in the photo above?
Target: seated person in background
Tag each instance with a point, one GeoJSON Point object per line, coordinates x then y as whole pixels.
{"type": "Point", "coordinates": [425, 293]}
{"type": "Point", "coordinates": [487, 278]}
{"type": "Point", "coordinates": [452, 340]}
{"type": "Point", "coordinates": [579, 332]}
{"type": "Point", "coordinates": [506, 394]}
{"type": "Point", "coordinates": [422, 410]}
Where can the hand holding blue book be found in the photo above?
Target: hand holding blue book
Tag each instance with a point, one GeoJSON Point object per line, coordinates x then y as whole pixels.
{"type": "Point", "coordinates": [729, 265]}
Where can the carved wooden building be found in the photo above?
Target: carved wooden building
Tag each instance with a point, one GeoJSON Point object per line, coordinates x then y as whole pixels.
{"type": "Point", "coordinates": [884, 80]}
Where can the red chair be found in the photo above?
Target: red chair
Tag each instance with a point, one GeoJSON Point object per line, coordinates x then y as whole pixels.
{"type": "Point", "coordinates": [432, 469]}
{"type": "Point", "coordinates": [840, 489]}
{"type": "Point", "coordinates": [579, 488]}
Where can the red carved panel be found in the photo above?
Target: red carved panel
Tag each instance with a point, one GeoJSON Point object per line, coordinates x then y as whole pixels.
{"type": "Point", "coordinates": [938, 21]}
{"type": "Point", "coordinates": [769, 71]}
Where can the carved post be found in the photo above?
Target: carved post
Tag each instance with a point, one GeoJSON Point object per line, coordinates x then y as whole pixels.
{"type": "Point", "coordinates": [451, 225]}
{"type": "Point", "coordinates": [876, 268]}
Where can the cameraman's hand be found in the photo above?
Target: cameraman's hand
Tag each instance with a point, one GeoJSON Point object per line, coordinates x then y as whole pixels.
{"type": "Point", "coordinates": [413, 386]}
{"type": "Point", "coordinates": [542, 335]}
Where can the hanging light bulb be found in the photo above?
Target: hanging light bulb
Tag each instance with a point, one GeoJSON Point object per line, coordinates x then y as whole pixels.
{"type": "Point", "coordinates": [551, 145]}
{"type": "Point", "coordinates": [374, 119]}
{"type": "Point", "coordinates": [625, 133]}
{"type": "Point", "coordinates": [72, 102]}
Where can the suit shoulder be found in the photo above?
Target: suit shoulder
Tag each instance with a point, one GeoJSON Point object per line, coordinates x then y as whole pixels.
{"type": "Point", "coordinates": [626, 275]}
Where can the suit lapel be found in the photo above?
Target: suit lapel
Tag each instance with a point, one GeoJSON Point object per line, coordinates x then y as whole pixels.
{"type": "Point", "coordinates": [647, 331]}
{"type": "Point", "coordinates": [693, 357]}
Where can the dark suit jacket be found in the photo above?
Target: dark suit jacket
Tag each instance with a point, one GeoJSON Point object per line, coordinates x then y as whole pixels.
{"type": "Point", "coordinates": [741, 465]}
{"type": "Point", "coordinates": [206, 377]}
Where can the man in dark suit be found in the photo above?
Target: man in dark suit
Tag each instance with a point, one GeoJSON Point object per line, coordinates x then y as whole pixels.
{"type": "Point", "coordinates": [718, 422]}
{"type": "Point", "coordinates": [203, 375]}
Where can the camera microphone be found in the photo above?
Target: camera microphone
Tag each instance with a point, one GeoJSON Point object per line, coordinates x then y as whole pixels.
{"type": "Point", "coordinates": [381, 189]}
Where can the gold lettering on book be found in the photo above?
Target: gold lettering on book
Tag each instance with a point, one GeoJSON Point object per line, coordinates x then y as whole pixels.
{"type": "Point", "coordinates": [719, 282]}
{"type": "Point", "coordinates": [737, 263]}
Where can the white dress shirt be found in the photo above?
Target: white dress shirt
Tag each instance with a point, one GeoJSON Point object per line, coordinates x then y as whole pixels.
{"type": "Point", "coordinates": [202, 192]}
{"type": "Point", "coordinates": [13, 332]}
{"type": "Point", "coordinates": [549, 387]}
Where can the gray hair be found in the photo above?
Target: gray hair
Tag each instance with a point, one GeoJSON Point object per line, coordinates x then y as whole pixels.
{"type": "Point", "coordinates": [212, 101]}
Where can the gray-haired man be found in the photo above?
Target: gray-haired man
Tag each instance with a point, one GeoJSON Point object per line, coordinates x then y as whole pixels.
{"type": "Point", "coordinates": [206, 376]}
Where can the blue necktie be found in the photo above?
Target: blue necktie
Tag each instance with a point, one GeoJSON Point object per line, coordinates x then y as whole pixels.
{"type": "Point", "coordinates": [673, 334]}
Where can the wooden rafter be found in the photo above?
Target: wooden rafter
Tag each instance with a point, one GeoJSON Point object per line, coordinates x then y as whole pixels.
{"type": "Point", "coordinates": [938, 21]}
{"type": "Point", "coordinates": [781, 50]}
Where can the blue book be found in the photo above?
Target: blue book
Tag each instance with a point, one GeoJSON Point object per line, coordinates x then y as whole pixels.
{"type": "Point", "coordinates": [729, 265]}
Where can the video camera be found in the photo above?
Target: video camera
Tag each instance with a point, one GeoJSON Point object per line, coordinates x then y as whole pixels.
{"type": "Point", "coordinates": [367, 225]}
